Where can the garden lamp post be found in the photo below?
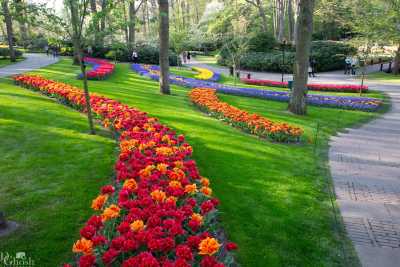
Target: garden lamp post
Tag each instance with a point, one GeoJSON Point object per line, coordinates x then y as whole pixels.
{"type": "Point", "coordinates": [283, 45]}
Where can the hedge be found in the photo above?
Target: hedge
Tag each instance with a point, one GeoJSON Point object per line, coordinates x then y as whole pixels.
{"type": "Point", "coordinates": [329, 55]}
{"type": "Point", "coordinates": [5, 52]}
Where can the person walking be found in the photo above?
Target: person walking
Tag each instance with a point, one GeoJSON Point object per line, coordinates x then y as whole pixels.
{"type": "Point", "coordinates": [46, 49]}
{"type": "Point", "coordinates": [347, 66]}
{"type": "Point", "coordinates": [313, 64]}
{"type": "Point", "coordinates": [309, 70]}
{"type": "Point", "coordinates": [188, 56]}
{"type": "Point", "coordinates": [135, 57]}
{"type": "Point", "coordinates": [184, 57]}
{"type": "Point", "coordinates": [354, 65]}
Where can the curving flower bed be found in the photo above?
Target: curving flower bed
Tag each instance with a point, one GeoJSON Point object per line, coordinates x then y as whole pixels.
{"type": "Point", "coordinates": [206, 99]}
{"type": "Point", "coordinates": [101, 69]}
{"type": "Point", "coordinates": [343, 102]}
{"type": "Point", "coordinates": [206, 74]}
{"type": "Point", "coordinates": [346, 88]}
{"type": "Point", "coordinates": [159, 211]}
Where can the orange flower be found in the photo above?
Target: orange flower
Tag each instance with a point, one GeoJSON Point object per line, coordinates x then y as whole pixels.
{"type": "Point", "coordinates": [204, 181]}
{"type": "Point", "coordinates": [146, 172]}
{"type": "Point", "coordinates": [206, 190]}
{"type": "Point", "coordinates": [209, 246]}
{"type": "Point", "coordinates": [197, 217]}
{"type": "Point", "coordinates": [130, 184]}
{"type": "Point", "coordinates": [158, 195]}
{"type": "Point", "coordinates": [175, 184]}
{"type": "Point", "coordinates": [191, 188]}
{"type": "Point", "coordinates": [98, 202]}
{"type": "Point", "coordinates": [84, 246]}
{"type": "Point", "coordinates": [110, 213]}
{"type": "Point", "coordinates": [137, 225]}
{"type": "Point", "coordinates": [162, 167]}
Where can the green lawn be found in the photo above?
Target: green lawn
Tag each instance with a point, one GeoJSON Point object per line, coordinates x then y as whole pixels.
{"type": "Point", "coordinates": [384, 77]}
{"type": "Point", "coordinates": [50, 169]}
{"type": "Point", "coordinates": [5, 61]}
{"type": "Point", "coordinates": [274, 197]}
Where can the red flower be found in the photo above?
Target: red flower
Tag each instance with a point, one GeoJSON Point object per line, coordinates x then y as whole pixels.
{"type": "Point", "coordinates": [207, 206]}
{"type": "Point", "coordinates": [231, 246]}
{"type": "Point", "coordinates": [109, 256]}
{"type": "Point", "coordinates": [87, 261]}
{"type": "Point", "coordinates": [184, 252]}
{"type": "Point", "coordinates": [99, 240]}
{"type": "Point", "coordinates": [88, 231]}
{"type": "Point", "coordinates": [108, 189]}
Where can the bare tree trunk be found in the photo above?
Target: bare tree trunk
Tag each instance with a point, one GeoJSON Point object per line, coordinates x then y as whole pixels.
{"type": "Point", "coordinates": [396, 67]}
{"type": "Point", "coordinates": [93, 7]}
{"type": "Point", "coordinates": [296, 19]}
{"type": "Point", "coordinates": [126, 22]}
{"type": "Point", "coordinates": [281, 21]}
{"type": "Point", "coordinates": [10, 34]}
{"type": "Point", "coordinates": [297, 103]}
{"type": "Point", "coordinates": [78, 57]}
{"type": "Point", "coordinates": [132, 24]}
{"type": "Point", "coordinates": [164, 46]}
{"type": "Point", "coordinates": [21, 18]}
{"type": "Point", "coordinates": [103, 22]}
{"type": "Point", "coordinates": [290, 20]}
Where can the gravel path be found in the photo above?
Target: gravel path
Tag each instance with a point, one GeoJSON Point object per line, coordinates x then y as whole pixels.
{"type": "Point", "coordinates": [32, 62]}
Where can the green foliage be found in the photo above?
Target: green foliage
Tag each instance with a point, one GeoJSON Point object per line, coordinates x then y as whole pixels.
{"type": "Point", "coordinates": [5, 52]}
{"type": "Point", "coordinates": [262, 42]}
{"type": "Point", "coordinates": [329, 55]}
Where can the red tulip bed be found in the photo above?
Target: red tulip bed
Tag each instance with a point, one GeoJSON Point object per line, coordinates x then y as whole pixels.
{"type": "Point", "coordinates": [345, 88]}
{"type": "Point", "coordinates": [159, 211]}
{"type": "Point", "coordinates": [101, 68]}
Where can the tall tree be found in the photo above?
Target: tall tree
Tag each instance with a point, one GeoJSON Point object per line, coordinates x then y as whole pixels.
{"type": "Point", "coordinates": [164, 45]}
{"type": "Point", "coordinates": [297, 103]}
{"type": "Point", "coordinates": [9, 26]}
{"type": "Point", "coordinates": [78, 12]}
{"type": "Point", "coordinates": [95, 22]}
{"type": "Point", "coordinates": [132, 22]}
{"type": "Point", "coordinates": [20, 10]}
{"type": "Point", "coordinates": [259, 4]}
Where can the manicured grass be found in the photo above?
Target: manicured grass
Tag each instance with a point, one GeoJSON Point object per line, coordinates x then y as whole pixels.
{"type": "Point", "coordinates": [50, 170]}
{"type": "Point", "coordinates": [5, 61]}
{"type": "Point", "coordinates": [211, 60]}
{"type": "Point", "coordinates": [274, 197]}
{"type": "Point", "coordinates": [384, 77]}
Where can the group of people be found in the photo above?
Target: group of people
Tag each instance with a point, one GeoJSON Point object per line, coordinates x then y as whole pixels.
{"type": "Point", "coordinates": [351, 65]}
{"type": "Point", "coordinates": [51, 51]}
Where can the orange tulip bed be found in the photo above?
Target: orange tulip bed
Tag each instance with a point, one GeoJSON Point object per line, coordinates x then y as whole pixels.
{"type": "Point", "coordinates": [159, 212]}
{"type": "Point", "coordinates": [207, 100]}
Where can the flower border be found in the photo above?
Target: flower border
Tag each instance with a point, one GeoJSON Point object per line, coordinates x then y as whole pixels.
{"type": "Point", "coordinates": [159, 211]}
{"type": "Point", "coordinates": [206, 99]}
{"type": "Point", "coordinates": [341, 102]}
{"type": "Point", "coordinates": [101, 69]}
{"type": "Point", "coordinates": [344, 88]}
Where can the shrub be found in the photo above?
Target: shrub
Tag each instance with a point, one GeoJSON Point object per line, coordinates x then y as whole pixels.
{"type": "Point", "coordinates": [329, 55]}
{"type": "Point", "coordinates": [262, 42]}
{"type": "Point", "coordinates": [5, 52]}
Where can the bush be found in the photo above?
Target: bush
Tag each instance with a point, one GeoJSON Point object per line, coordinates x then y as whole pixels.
{"type": "Point", "coordinates": [262, 42]}
{"type": "Point", "coordinates": [329, 55]}
{"type": "Point", "coordinates": [5, 52]}
{"type": "Point", "coordinates": [147, 55]}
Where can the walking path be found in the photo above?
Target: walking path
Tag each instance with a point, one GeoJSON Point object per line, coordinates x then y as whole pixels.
{"type": "Point", "coordinates": [365, 167]}
{"type": "Point", "coordinates": [332, 76]}
{"type": "Point", "coordinates": [32, 62]}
